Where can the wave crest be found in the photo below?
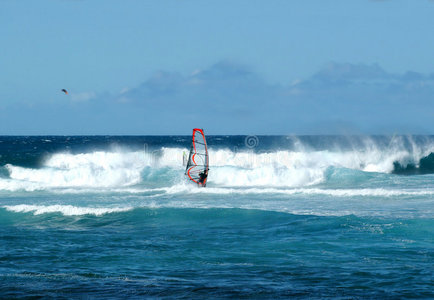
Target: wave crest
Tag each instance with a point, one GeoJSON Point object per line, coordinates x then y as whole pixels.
{"type": "Point", "coordinates": [297, 167]}
{"type": "Point", "coordinates": [96, 169]}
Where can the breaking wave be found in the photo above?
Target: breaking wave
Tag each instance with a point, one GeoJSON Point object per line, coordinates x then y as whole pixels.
{"type": "Point", "coordinates": [96, 169]}
{"type": "Point", "coordinates": [299, 167]}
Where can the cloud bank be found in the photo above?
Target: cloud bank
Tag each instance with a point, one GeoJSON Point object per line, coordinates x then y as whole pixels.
{"type": "Point", "coordinates": [228, 98]}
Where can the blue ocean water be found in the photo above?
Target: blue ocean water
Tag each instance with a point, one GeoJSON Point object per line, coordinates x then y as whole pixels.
{"type": "Point", "coordinates": [281, 216]}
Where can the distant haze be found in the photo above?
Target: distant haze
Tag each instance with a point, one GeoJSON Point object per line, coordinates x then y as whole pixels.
{"type": "Point", "coordinates": [230, 67]}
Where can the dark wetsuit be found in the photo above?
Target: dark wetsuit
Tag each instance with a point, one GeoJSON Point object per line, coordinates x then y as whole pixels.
{"type": "Point", "coordinates": [202, 178]}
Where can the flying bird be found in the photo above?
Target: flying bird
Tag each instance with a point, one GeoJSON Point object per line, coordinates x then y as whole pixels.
{"type": "Point", "coordinates": [65, 91]}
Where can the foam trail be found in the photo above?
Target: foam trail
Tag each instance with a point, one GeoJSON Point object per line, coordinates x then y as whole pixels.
{"type": "Point", "coordinates": [66, 210]}
{"type": "Point", "coordinates": [367, 192]}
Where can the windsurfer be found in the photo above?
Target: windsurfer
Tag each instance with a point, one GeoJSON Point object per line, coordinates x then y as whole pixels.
{"type": "Point", "coordinates": [197, 163]}
{"type": "Point", "coordinates": [202, 177]}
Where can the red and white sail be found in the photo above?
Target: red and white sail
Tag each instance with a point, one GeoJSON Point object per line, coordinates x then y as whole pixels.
{"type": "Point", "coordinates": [198, 164]}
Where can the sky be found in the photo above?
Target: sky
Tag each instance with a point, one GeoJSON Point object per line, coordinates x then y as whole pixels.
{"type": "Point", "coordinates": [138, 67]}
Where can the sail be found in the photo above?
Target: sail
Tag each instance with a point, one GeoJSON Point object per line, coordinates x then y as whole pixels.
{"type": "Point", "coordinates": [197, 164]}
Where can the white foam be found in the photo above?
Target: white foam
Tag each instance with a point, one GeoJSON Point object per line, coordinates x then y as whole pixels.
{"type": "Point", "coordinates": [120, 168]}
{"type": "Point", "coordinates": [12, 185]}
{"type": "Point", "coordinates": [66, 210]}
{"type": "Point", "coordinates": [302, 166]}
{"type": "Point", "coordinates": [95, 169]}
{"type": "Point", "coordinates": [368, 192]}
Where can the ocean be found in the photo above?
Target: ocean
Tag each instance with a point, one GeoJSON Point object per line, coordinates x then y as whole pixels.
{"type": "Point", "coordinates": [281, 217]}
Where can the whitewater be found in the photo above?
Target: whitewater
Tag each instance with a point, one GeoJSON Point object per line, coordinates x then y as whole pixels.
{"type": "Point", "coordinates": [303, 216]}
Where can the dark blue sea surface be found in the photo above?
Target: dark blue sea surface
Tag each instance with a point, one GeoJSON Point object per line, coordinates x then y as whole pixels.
{"type": "Point", "coordinates": [281, 217]}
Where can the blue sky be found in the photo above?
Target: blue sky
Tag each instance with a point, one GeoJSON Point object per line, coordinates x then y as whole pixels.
{"type": "Point", "coordinates": [231, 67]}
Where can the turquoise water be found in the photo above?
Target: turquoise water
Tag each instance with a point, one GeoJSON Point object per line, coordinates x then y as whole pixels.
{"type": "Point", "coordinates": [304, 217]}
